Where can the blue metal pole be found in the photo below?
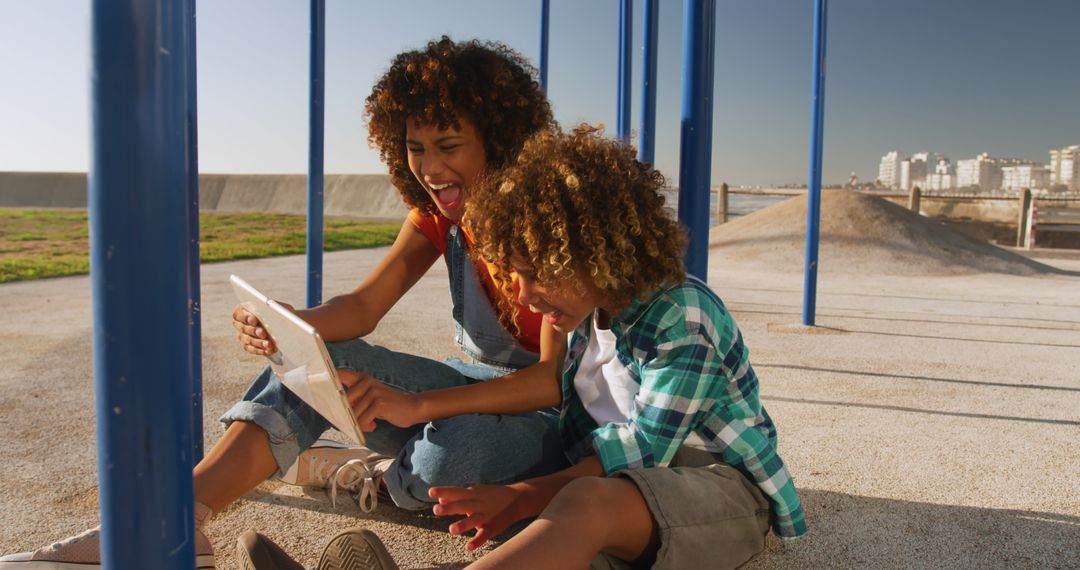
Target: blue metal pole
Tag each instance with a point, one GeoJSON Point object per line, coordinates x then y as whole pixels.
{"type": "Point", "coordinates": [647, 147]}
{"type": "Point", "coordinates": [194, 279]}
{"type": "Point", "coordinates": [317, 69]}
{"type": "Point", "coordinates": [695, 160]}
{"type": "Point", "coordinates": [626, 39]}
{"type": "Point", "coordinates": [545, 14]}
{"type": "Point", "coordinates": [813, 191]}
{"type": "Point", "coordinates": [138, 196]}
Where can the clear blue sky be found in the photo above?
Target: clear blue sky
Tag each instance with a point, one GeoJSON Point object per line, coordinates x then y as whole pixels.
{"type": "Point", "coordinates": [955, 76]}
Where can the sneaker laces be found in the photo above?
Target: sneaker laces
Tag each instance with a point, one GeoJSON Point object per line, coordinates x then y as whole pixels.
{"type": "Point", "coordinates": [202, 514]}
{"type": "Point", "coordinates": [352, 474]}
{"type": "Point", "coordinates": [85, 548]}
{"type": "Point", "coordinates": [70, 541]}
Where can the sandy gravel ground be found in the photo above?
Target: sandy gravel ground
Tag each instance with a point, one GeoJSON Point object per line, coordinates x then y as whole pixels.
{"type": "Point", "coordinates": [937, 425]}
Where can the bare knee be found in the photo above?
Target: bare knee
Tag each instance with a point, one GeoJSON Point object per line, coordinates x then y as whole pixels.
{"type": "Point", "coordinates": [589, 499]}
{"type": "Point", "coordinates": [609, 512]}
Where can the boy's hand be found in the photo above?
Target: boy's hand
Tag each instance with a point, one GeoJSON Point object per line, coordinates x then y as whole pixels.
{"type": "Point", "coordinates": [489, 509]}
{"type": "Point", "coordinates": [250, 332]}
{"type": "Point", "coordinates": [370, 399]}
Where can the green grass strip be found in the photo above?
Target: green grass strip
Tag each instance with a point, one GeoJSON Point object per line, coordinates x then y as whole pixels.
{"type": "Point", "coordinates": [36, 244]}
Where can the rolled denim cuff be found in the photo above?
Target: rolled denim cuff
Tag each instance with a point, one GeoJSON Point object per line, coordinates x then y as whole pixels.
{"type": "Point", "coordinates": [283, 441]}
{"type": "Point", "coordinates": [395, 486]}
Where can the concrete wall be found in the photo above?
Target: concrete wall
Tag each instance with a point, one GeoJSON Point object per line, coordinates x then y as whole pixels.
{"type": "Point", "coordinates": [353, 195]}
{"type": "Point", "coordinates": [992, 209]}
{"type": "Point", "coordinates": [43, 189]}
{"type": "Point", "coordinates": [372, 196]}
{"type": "Point", "coordinates": [1000, 210]}
{"type": "Point", "coordinates": [984, 209]}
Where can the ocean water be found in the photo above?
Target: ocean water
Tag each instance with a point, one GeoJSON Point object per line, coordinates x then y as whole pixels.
{"type": "Point", "coordinates": [738, 204]}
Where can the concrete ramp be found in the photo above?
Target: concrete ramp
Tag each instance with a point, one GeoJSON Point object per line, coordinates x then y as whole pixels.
{"type": "Point", "coordinates": [352, 195]}
{"type": "Point", "coordinates": [368, 195]}
{"type": "Point", "coordinates": [42, 189]}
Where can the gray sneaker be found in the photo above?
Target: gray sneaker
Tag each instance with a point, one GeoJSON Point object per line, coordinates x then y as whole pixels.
{"type": "Point", "coordinates": [256, 552]}
{"type": "Point", "coordinates": [356, 549]}
{"type": "Point", "coordinates": [332, 465]}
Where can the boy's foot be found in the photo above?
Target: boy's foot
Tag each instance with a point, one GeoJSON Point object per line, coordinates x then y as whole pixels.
{"type": "Point", "coordinates": [83, 552]}
{"type": "Point", "coordinates": [256, 552]}
{"type": "Point", "coordinates": [332, 464]}
{"type": "Point", "coordinates": [356, 549]}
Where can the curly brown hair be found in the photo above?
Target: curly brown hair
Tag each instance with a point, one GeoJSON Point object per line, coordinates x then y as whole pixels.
{"type": "Point", "coordinates": [487, 83]}
{"type": "Point", "coordinates": [579, 202]}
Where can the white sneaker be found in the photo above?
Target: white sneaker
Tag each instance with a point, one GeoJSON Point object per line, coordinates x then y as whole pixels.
{"type": "Point", "coordinates": [332, 464]}
{"type": "Point", "coordinates": [83, 552]}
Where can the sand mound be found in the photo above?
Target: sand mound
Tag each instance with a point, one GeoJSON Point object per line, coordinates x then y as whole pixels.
{"type": "Point", "coordinates": [861, 233]}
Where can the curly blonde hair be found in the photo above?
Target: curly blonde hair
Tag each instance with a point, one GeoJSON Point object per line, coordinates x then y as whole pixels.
{"type": "Point", "coordinates": [579, 202]}
{"type": "Point", "coordinates": [487, 83]}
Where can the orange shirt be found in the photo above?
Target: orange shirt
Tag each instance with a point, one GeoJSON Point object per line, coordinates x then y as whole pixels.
{"type": "Point", "coordinates": [435, 227]}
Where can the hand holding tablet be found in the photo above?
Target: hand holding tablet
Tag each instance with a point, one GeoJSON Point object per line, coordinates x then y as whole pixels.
{"type": "Point", "coordinates": [300, 361]}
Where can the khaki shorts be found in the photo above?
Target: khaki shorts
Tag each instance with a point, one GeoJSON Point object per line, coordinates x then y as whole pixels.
{"type": "Point", "coordinates": [709, 517]}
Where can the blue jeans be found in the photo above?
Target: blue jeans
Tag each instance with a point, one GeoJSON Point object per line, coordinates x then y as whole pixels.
{"type": "Point", "coordinates": [462, 450]}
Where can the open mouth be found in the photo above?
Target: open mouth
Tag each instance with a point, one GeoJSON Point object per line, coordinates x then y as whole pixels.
{"type": "Point", "coordinates": [448, 196]}
{"type": "Point", "coordinates": [552, 316]}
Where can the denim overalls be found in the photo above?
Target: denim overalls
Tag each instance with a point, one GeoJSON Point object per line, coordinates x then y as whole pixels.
{"type": "Point", "coordinates": [477, 329]}
{"type": "Point", "coordinates": [461, 450]}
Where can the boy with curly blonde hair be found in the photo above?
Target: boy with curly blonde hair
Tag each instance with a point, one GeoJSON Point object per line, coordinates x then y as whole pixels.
{"type": "Point", "coordinates": [675, 458]}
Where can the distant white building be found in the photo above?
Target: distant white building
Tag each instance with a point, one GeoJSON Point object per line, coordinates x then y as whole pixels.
{"type": "Point", "coordinates": [889, 170]}
{"type": "Point", "coordinates": [984, 171]}
{"type": "Point", "coordinates": [1065, 167]}
{"type": "Point", "coordinates": [913, 171]}
{"type": "Point", "coordinates": [981, 172]}
{"type": "Point", "coordinates": [1033, 176]}
{"type": "Point", "coordinates": [942, 178]}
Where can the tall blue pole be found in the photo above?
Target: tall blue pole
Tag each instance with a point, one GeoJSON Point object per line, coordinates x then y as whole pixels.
{"type": "Point", "coordinates": [695, 160]}
{"type": "Point", "coordinates": [140, 175]}
{"type": "Point", "coordinates": [813, 191]}
{"type": "Point", "coordinates": [194, 279]}
{"type": "Point", "coordinates": [545, 14]}
{"type": "Point", "coordinates": [317, 69]}
{"type": "Point", "coordinates": [647, 147]}
{"type": "Point", "coordinates": [626, 40]}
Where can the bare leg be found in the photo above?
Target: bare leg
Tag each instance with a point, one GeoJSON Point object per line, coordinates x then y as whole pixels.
{"type": "Point", "coordinates": [238, 462]}
{"type": "Point", "coordinates": [589, 516]}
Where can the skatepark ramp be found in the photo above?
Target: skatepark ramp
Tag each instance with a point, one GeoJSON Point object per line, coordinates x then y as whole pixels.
{"type": "Point", "coordinates": [349, 195]}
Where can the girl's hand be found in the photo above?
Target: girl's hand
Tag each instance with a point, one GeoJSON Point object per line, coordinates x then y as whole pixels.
{"type": "Point", "coordinates": [489, 509]}
{"type": "Point", "coordinates": [250, 332]}
{"type": "Point", "coordinates": [371, 399]}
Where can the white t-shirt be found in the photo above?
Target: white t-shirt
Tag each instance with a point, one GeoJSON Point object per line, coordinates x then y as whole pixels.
{"type": "Point", "coordinates": [606, 387]}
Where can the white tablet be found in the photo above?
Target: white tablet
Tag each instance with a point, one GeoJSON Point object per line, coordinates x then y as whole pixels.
{"type": "Point", "coordinates": [301, 360]}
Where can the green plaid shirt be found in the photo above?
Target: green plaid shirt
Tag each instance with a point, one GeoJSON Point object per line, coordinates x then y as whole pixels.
{"type": "Point", "coordinates": [682, 347]}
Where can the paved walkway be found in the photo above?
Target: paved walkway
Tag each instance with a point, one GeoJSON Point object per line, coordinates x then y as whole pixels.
{"type": "Point", "coordinates": [936, 426]}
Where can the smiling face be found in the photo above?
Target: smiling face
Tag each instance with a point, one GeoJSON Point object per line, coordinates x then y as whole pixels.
{"type": "Point", "coordinates": [564, 307]}
{"type": "Point", "coordinates": [445, 162]}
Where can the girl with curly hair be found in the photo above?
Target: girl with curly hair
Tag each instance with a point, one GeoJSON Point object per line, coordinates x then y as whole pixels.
{"type": "Point", "coordinates": [440, 117]}
{"type": "Point", "coordinates": [675, 458]}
